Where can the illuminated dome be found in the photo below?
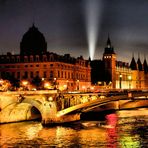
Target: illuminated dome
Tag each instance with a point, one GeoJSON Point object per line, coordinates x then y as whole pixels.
{"type": "Point", "coordinates": [33, 42]}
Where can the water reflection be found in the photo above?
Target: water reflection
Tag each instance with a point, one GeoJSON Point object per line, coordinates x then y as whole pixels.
{"type": "Point", "coordinates": [117, 132]}
{"type": "Point", "coordinates": [112, 136]}
{"type": "Point", "coordinates": [134, 132]}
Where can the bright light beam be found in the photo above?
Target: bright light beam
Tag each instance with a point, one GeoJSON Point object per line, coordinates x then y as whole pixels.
{"type": "Point", "coordinates": [93, 10]}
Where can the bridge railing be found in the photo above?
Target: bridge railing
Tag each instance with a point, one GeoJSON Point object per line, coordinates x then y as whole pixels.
{"type": "Point", "coordinates": [66, 101]}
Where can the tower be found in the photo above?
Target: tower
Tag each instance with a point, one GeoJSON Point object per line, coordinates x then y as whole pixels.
{"type": "Point", "coordinates": [145, 66]}
{"type": "Point", "coordinates": [133, 64]}
{"type": "Point", "coordinates": [109, 59]}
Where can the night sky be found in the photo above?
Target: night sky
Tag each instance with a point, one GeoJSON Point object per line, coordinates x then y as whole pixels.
{"type": "Point", "coordinates": [63, 24]}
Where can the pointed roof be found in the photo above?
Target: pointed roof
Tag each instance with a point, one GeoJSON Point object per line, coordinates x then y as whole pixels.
{"type": "Point", "coordinates": [133, 64]}
{"type": "Point", "coordinates": [109, 49]}
{"type": "Point", "coordinates": [140, 68]}
{"type": "Point", "coordinates": [89, 59]}
{"type": "Point", "coordinates": [108, 42]}
{"type": "Point", "coordinates": [145, 66]}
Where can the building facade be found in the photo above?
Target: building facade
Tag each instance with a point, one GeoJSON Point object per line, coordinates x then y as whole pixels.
{"type": "Point", "coordinates": [35, 63]}
{"type": "Point", "coordinates": [40, 67]}
{"type": "Point", "coordinates": [119, 74]}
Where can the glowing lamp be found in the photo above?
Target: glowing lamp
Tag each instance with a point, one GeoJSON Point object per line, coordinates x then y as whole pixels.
{"type": "Point", "coordinates": [129, 77]}
{"type": "Point", "coordinates": [24, 83]}
{"type": "Point", "coordinates": [46, 84]}
{"type": "Point", "coordinates": [1, 81]}
{"type": "Point", "coordinates": [50, 99]}
{"type": "Point", "coordinates": [120, 75]}
{"type": "Point", "coordinates": [83, 87]}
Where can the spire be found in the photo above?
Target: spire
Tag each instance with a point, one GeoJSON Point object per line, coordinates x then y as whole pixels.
{"type": "Point", "coordinates": [145, 66]}
{"type": "Point", "coordinates": [108, 42]}
{"type": "Point", "coordinates": [109, 49]}
{"type": "Point", "coordinates": [89, 59]}
{"type": "Point", "coordinates": [140, 68]}
{"type": "Point", "coordinates": [133, 64]}
{"type": "Point", "coordinates": [33, 27]}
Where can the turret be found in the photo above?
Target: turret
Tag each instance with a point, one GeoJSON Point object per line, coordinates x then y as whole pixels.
{"type": "Point", "coordinates": [133, 64]}
{"type": "Point", "coordinates": [109, 59]}
{"type": "Point", "coordinates": [139, 64]}
{"type": "Point", "coordinates": [145, 66]}
{"type": "Point", "coordinates": [109, 49]}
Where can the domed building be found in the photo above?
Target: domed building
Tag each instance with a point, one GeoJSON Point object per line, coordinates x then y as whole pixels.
{"type": "Point", "coordinates": [39, 66]}
{"type": "Point", "coordinates": [33, 42]}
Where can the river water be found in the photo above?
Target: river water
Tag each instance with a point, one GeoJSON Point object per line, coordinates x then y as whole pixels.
{"type": "Point", "coordinates": [125, 129]}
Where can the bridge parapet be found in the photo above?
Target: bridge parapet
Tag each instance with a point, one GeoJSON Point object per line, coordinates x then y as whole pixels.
{"type": "Point", "coordinates": [68, 100]}
{"type": "Point", "coordinates": [57, 107]}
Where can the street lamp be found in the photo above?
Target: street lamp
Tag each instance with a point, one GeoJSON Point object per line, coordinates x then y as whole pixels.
{"type": "Point", "coordinates": [25, 84]}
{"type": "Point", "coordinates": [46, 85]}
{"type": "Point", "coordinates": [120, 81]}
{"type": "Point", "coordinates": [77, 84]}
{"type": "Point", "coordinates": [129, 78]}
{"type": "Point", "coordinates": [83, 87]}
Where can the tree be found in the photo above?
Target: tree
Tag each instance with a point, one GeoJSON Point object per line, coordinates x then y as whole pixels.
{"type": "Point", "coordinates": [37, 81]}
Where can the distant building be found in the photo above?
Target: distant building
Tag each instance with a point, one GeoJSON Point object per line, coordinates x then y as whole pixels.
{"type": "Point", "coordinates": [35, 63]}
{"type": "Point", "coordinates": [118, 74]}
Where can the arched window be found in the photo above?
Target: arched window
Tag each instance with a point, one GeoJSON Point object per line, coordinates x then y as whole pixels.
{"type": "Point", "coordinates": [44, 58]}
{"type": "Point", "coordinates": [51, 74]}
{"type": "Point", "coordinates": [25, 59]}
{"type": "Point", "coordinates": [12, 59]}
{"type": "Point", "coordinates": [18, 59]}
{"type": "Point", "coordinates": [51, 58]}
{"type": "Point", "coordinates": [8, 59]}
{"type": "Point", "coordinates": [37, 58]}
{"type": "Point", "coordinates": [31, 58]}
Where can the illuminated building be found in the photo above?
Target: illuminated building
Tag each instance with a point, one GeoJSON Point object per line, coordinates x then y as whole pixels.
{"type": "Point", "coordinates": [34, 62]}
{"type": "Point", "coordinates": [118, 74]}
{"type": "Point", "coordinates": [45, 69]}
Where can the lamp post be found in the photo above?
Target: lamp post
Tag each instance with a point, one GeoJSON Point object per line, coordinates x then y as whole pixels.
{"type": "Point", "coordinates": [55, 83]}
{"type": "Point", "coordinates": [120, 81]}
{"type": "Point", "coordinates": [77, 84]}
{"type": "Point", "coordinates": [129, 78]}
{"type": "Point", "coordinates": [67, 82]}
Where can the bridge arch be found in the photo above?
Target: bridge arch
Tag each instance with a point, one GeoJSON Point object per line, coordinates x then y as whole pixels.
{"type": "Point", "coordinates": [20, 108]}
{"type": "Point", "coordinates": [20, 112]}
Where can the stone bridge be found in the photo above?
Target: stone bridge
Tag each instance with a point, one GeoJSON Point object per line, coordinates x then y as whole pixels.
{"type": "Point", "coordinates": [52, 107]}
